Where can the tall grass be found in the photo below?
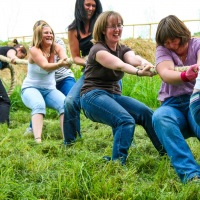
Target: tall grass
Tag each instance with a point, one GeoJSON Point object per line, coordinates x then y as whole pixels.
{"type": "Point", "coordinates": [52, 171]}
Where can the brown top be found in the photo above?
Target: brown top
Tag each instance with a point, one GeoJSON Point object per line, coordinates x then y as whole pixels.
{"type": "Point", "coordinates": [100, 77]}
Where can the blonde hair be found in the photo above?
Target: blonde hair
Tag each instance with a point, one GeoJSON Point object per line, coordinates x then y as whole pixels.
{"type": "Point", "coordinates": [101, 24]}
{"type": "Point", "coordinates": [37, 36]}
{"type": "Point", "coordinates": [38, 23]}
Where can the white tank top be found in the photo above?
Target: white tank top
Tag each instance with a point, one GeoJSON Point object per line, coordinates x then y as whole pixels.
{"type": "Point", "coordinates": [39, 78]}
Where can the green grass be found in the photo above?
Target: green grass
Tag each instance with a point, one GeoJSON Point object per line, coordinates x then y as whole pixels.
{"type": "Point", "coordinates": [50, 171]}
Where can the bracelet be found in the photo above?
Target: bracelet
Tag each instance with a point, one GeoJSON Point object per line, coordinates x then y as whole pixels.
{"type": "Point", "coordinates": [137, 72]}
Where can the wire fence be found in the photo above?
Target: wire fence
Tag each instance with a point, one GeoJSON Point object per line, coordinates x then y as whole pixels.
{"type": "Point", "coordinates": [145, 31]}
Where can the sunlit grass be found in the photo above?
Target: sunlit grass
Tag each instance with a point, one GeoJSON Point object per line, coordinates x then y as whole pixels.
{"type": "Point", "coordinates": [51, 171]}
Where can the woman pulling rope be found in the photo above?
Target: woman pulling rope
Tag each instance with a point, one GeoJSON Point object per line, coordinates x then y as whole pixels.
{"type": "Point", "coordinates": [9, 55]}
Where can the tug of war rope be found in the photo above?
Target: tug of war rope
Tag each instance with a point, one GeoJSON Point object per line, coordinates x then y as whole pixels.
{"type": "Point", "coordinates": [25, 62]}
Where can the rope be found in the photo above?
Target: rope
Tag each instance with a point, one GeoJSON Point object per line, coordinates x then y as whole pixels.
{"type": "Point", "coordinates": [18, 61]}
{"type": "Point", "coordinates": [12, 71]}
{"type": "Point", "coordinates": [179, 69]}
{"type": "Point", "coordinates": [12, 84]}
{"type": "Point", "coordinates": [70, 60]}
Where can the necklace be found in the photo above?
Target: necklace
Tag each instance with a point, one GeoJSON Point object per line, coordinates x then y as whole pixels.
{"type": "Point", "coordinates": [47, 55]}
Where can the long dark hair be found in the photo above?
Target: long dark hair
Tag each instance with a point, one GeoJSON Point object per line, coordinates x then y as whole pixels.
{"type": "Point", "coordinates": [80, 16]}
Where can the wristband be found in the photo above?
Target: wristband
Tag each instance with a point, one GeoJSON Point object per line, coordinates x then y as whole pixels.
{"type": "Point", "coordinates": [183, 77]}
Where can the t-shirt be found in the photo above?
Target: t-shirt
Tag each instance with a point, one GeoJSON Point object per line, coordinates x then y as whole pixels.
{"type": "Point", "coordinates": [100, 77]}
{"type": "Point", "coordinates": [163, 54]}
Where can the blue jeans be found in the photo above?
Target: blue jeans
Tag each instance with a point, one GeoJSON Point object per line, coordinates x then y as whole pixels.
{"type": "Point", "coordinates": [38, 99]}
{"type": "Point", "coordinates": [65, 85]}
{"type": "Point", "coordinates": [72, 112]}
{"type": "Point", "coordinates": [173, 124]}
{"type": "Point", "coordinates": [72, 108]}
{"type": "Point", "coordinates": [195, 107]}
{"type": "Point", "coordinates": [121, 113]}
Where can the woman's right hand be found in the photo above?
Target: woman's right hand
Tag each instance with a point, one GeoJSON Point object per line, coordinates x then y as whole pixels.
{"type": "Point", "coordinates": [146, 71]}
{"type": "Point", "coordinates": [65, 62]}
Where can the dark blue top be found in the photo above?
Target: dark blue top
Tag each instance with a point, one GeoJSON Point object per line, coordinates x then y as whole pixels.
{"type": "Point", "coordinates": [3, 51]}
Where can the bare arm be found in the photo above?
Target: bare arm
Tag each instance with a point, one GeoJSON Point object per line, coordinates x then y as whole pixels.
{"type": "Point", "coordinates": [74, 48]}
{"type": "Point", "coordinates": [166, 71]}
{"type": "Point", "coordinates": [12, 55]}
{"type": "Point", "coordinates": [198, 58]}
{"type": "Point", "coordinates": [112, 62]}
{"type": "Point", "coordinates": [37, 57]}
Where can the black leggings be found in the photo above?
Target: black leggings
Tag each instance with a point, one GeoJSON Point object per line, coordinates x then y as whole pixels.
{"type": "Point", "coordinates": [4, 105]}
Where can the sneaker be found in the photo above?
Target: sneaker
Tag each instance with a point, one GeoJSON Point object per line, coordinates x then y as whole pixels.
{"type": "Point", "coordinates": [29, 131]}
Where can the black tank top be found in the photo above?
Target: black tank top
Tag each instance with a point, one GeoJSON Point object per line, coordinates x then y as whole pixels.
{"type": "Point", "coordinates": [85, 44]}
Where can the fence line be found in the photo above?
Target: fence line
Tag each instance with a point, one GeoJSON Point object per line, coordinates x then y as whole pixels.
{"type": "Point", "coordinates": [150, 35]}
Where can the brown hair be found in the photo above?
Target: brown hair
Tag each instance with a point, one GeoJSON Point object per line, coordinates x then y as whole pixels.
{"type": "Point", "coordinates": [101, 23]}
{"type": "Point", "coordinates": [22, 48]}
{"type": "Point", "coordinates": [171, 27]}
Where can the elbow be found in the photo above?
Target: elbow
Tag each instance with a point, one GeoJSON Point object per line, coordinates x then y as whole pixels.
{"type": "Point", "coordinates": [45, 68]}
{"type": "Point", "coordinates": [119, 68]}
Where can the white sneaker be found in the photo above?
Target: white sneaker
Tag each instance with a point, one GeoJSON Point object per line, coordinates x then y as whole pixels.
{"type": "Point", "coordinates": [29, 131]}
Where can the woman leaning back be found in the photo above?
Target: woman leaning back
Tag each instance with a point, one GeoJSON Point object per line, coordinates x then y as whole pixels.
{"type": "Point", "coordinates": [79, 36]}
{"type": "Point", "coordinates": [173, 121]}
{"type": "Point", "coordinates": [39, 86]}
{"type": "Point", "coordinates": [101, 97]}
{"type": "Point", "coordinates": [18, 51]}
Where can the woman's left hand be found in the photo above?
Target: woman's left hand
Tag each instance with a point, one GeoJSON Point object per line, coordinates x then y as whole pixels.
{"type": "Point", "coordinates": [146, 71]}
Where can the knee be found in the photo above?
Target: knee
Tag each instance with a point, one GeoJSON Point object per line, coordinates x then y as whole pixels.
{"type": "Point", "coordinates": [126, 121]}
{"type": "Point", "coordinates": [39, 108]}
{"type": "Point", "coordinates": [70, 103]}
{"type": "Point", "coordinates": [157, 118]}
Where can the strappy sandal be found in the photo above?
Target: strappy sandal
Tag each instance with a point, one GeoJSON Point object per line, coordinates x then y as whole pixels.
{"type": "Point", "coordinates": [38, 140]}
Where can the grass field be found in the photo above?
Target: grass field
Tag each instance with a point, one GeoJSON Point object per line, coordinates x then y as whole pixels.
{"type": "Point", "coordinates": [51, 171]}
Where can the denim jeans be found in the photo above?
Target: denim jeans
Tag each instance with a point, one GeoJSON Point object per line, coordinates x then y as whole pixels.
{"type": "Point", "coordinates": [121, 113]}
{"type": "Point", "coordinates": [195, 107]}
{"type": "Point", "coordinates": [65, 85]}
{"type": "Point", "coordinates": [72, 108]}
{"type": "Point", "coordinates": [173, 124]}
{"type": "Point", "coordinates": [38, 99]}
